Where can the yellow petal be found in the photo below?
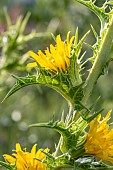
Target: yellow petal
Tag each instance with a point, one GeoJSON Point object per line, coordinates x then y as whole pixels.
{"type": "Point", "coordinates": [33, 150]}
{"type": "Point", "coordinates": [9, 158]}
{"type": "Point", "coordinates": [18, 147]}
{"type": "Point", "coordinates": [100, 139]}
{"type": "Point", "coordinates": [33, 64]}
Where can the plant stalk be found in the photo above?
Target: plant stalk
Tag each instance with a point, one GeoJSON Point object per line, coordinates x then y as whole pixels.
{"type": "Point", "coordinates": [99, 63]}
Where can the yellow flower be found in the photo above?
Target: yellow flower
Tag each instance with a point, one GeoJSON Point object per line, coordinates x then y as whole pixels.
{"type": "Point", "coordinates": [26, 160]}
{"type": "Point", "coordinates": [56, 58]}
{"type": "Point", "coordinates": [100, 139]}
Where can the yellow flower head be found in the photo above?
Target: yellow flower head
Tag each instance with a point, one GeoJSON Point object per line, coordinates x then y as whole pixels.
{"type": "Point", "coordinates": [100, 139]}
{"type": "Point", "coordinates": [26, 160]}
{"type": "Point", "coordinates": [56, 58]}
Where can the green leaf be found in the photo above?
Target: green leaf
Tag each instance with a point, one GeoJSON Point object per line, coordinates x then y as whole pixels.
{"type": "Point", "coordinates": [18, 23]}
{"type": "Point", "coordinates": [94, 115]}
{"type": "Point", "coordinates": [21, 82]}
{"type": "Point", "coordinates": [41, 79]}
{"type": "Point", "coordinates": [8, 19]}
{"type": "Point", "coordinates": [72, 94]}
{"type": "Point", "coordinates": [7, 165]}
{"type": "Point", "coordinates": [99, 11]}
{"type": "Point", "coordinates": [75, 67]}
{"type": "Point", "coordinates": [78, 47]}
{"type": "Point", "coordinates": [62, 161]}
{"type": "Point", "coordinates": [76, 93]}
{"type": "Point", "coordinates": [24, 22]}
{"type": "Point", "coordinates": [33, 34]}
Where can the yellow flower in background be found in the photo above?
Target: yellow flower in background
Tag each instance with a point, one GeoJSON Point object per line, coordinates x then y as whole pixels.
{"type": "Point", "coordinates": [26, 160]}
{"type": "Point", "coordinates": [100, 139]}
{"type": "Point", "coordinates": [56, 58]}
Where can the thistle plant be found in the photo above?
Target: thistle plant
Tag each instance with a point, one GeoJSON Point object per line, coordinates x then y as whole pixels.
{"type": "Point", "coordinates": [86, 140]}
{"type": "Point", "coordinates": [12, 44]}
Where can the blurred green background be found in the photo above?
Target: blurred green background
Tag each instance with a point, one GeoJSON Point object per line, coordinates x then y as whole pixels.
{"type": "Point", "coordinates": [38, 103]}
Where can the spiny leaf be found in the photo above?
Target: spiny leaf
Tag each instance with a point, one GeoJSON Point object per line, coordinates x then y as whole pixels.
{"type": "Point", "coordinates": [99, 11]}
{"type": "Point", "coordinates": [79, 45]}
{"type": "Point", "coordinates": [48, 155]}
{"type": "Point", "coordinates": [89, 110]}
{"type": "Point", "coordinates": [75, 62]}
{"type": "Point", "coordinates": [94, 32]}
{"type": "Point", "coordinates": [8, 19]}
{"type": "Point", "coordinates": [30, 80]}
{"type": "Point", "coordinates": [41, 79]}
{"type": "Point", "coordinates": [24, 22]}
{"type": "Point", "coordinates": [94, 115]}
{"type": "Point", "coordinates": [57, 126]}
{"type": "Point", "coordinates": [18, 23]}
{"type": "Point", "coordinates": [21, 82]}
{"type": "Point", "coordinates": [76, 93]}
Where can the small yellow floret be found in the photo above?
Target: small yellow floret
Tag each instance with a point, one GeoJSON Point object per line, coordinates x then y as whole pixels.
{"type": "Point", "coordinates": [56, 58]}
{"type": "Point", "coordinates": [100, 139]}
{"type": "Point", "coordinates": [26, 160]}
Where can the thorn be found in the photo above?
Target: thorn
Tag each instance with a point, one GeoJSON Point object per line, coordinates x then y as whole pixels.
{"type": "Point", "coordinates": [81, 58]}
{"type": "Point", "coordinates": [94, 1]}
{"type": "Point", "coordinates": [18, 79]}
{"type": "Point", "coordinates": [76, 37]}
{"type": "Point", "coordinates": [94, 32]}
{"type": "Point", "coordinates": [53, 37]}
{"type": "Point", "coordinates": [62, 117]}
{"type": "Point", "coordinates": [84, 62]}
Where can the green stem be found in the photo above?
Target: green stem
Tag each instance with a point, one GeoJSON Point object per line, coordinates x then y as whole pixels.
{"type": "Point", "coordinates": [99, 63]}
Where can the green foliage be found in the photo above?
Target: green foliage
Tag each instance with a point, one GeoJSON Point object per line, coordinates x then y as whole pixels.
{"type": "Point", "coordinates": [72, 85]}
{"type": "Point", "coordinates": [99, 11]}
{"type": "Point", "coordinates": [62, 161]}
{"type": "Point", "coordinates": [68, 84]}
{"type": "Point", "coordinates": [13, 41]}
{"type": "Point", "coordinates": [90, 163]}
{"type": "Point", "coordinates": [8, 165]}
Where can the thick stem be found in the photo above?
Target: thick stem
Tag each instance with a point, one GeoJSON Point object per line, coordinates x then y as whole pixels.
{"type": "Point", "coordinates": [99, 63]}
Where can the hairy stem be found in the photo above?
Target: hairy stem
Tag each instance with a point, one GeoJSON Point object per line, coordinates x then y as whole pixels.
{"type": "Point", "coordinates": [100, 61]}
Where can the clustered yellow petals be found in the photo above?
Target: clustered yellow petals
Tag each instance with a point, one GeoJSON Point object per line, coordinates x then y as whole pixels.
{"type": "Point", "coordinates": [26, 160]}
{"type": "Point", "coordinates": [56, 58]}
{"type": "Point", "coordinates": [100, 139]}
